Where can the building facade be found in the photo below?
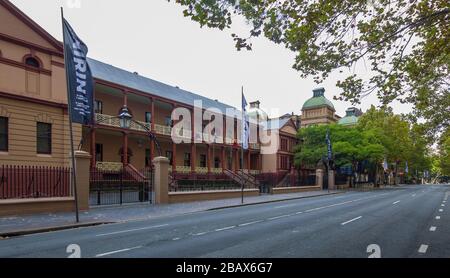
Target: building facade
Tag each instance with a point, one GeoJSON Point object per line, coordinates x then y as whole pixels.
{"type": "Point", "coordinates": [318, 110]}
{"type": "Point", "coordinates": [33, 98]}
{"type": "Point", "coordinates": [34, 117]}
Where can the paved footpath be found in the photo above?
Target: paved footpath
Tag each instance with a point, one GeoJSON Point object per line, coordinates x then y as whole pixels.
{"type": "Point", "coordinates": [137, 212]}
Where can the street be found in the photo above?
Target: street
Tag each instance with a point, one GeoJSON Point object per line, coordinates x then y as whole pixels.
{"type": "Point", "coordinates": [408, 221]}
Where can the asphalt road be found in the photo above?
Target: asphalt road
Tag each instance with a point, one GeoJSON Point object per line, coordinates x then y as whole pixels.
{"type": "Point", "coordinates": [411, 221]}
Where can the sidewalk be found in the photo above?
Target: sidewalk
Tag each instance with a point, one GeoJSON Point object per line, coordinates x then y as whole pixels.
{"type": "Point", "coordinates": [102, 215]}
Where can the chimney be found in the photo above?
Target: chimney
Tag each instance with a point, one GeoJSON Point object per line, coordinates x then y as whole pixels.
{"type": "Point", "coordinates": [255, 104]}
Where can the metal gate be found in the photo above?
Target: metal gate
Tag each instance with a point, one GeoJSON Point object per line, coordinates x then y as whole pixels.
{"type": "Point", "coordinates": [120, 187]}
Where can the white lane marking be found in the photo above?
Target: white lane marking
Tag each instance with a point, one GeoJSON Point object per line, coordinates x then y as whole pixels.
{"type": "Point", "coordinates": [117, 251]}
{"type": "Point", "coordinates": [226, 228]}
{"type": "Point", "coordinates": [278, 217]}
{"type": "Point", "coordinates": [175, 239]}
{"type": "Point", "coordinates": [441, 210]}
{"type": "Point", "coordinates": [285, 206]}
{"type": "Point", "coordinates": [396, 202]}
{"type": "Point", "coordinates": [250, 223]}
{"type": "Point", "coordinates": [349, 221]}
{"type": "Point", "coordinates": [300, 212]}
{"type": "Point", "coordinates": [133, 230]}
{"type": "Point", "coordinates": [432, 229]}
{"type": "Point", "coordinates": [438, 217]}
{"type": "Point", "coordinates": [423, 248]}
{"type": "Point", "coordinates": [442, 205]}
{"type": "Point", "coordinates": [347, 202]}
{"type": "Point", "coordinates": [200, 234]}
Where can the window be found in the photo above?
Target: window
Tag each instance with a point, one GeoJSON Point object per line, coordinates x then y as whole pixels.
{"type": "Point", "coordinates": [168, 121]}
{"type": "Point", "coordinates": [169, 155]}
{"type": "Point", "coordinates": [203, 160]}
{"type": "Point", "coordinates": [99, 152]}
{"type": "Point", "coordinates": [148, 117]}
{"type": "Point", "coordinates": [284, 144]}
{"type": "Point", "coordinates": [187, 159]}
{"type": "Point", "coordinates": [98, 107]}
{"type": "Point", "coordinates": [3, 134]}
{"type": "Point", "coordinates": [33, 62]}
{"type": "Point", "coordinates": [147, 158]}
{"type": "Point", "coordinates": [285, 162]}
{"type": "Point", "coordinates": [44, 138]}
{"type": "Point", "coordinates": [217, 162]}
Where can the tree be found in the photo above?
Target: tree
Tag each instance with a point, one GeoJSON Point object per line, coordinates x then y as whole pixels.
{"type": "Point", "coordinates": [403, 142]}
{"type": "Point", "coordinates": [444, 153]}
{"type": "Point", "coordinates": [350, 146]}
{"type": "Point", "coordinates": [406, 44]}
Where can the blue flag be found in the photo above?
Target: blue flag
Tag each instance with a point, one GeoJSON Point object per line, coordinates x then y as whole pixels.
{"type": "Point", "coordinates": [80, 84]}
{"type": "Point", "coordinates": [330, 149]}
{"type": "Point", "coordinates": [245, 124]}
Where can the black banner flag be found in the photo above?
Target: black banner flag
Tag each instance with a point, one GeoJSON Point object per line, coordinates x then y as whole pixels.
{"type": "Point", "coordinates": [79, 78]}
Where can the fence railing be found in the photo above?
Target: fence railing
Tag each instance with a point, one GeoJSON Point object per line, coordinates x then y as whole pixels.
{"type": "Point", "coordinates": [127, 185]}
{"type": "Point", "coordinates": [22, 182]}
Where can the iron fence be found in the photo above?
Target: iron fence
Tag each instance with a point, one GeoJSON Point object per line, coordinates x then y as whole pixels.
{"type": "Point", "coordinates": [201, 182]}
{"type": "Point", "coordinates": [120, 187]}
{"type": "Point", "coordinates": [22, 182]}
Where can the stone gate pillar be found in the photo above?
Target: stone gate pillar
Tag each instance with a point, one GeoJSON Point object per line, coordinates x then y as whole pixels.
{"type": "Point", "coordinates": [319, 177]}
{"type": "Point", "coordinates": [161, 181]}
{"type": "Point", "coordinates": [83, 167]}
{"type": "Point", "coordinates": [331, 183]}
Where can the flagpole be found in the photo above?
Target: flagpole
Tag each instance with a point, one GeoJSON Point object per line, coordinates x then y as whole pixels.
{"type": "Point", "coordinates": [69, 102]}
{"type": "Point", "coordinates": [242, 147]}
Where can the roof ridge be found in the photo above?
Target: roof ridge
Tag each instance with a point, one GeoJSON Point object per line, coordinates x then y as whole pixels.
{"type": "Point", "coordinates": [148, 79]}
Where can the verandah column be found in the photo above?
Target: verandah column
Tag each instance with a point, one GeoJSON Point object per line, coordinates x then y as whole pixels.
{"type": "Point", "coordinates": [193, 146]}
{"type": "Point", "coordinates": [223, 159]}
{"type": "Point", "coordinates": [125, 149]}
{"type": "Point", "coordinates": [92, 148]}
{"type": "Point", "coordinates": [248, 160]}
{"type": "Point", "coordinates": [125, 135]}
{"type": "Point", "coordinates": [174, 147]}
{"type": "Point", "coordinates": [152, 127]}
{"type": "Point", "coordinates": [208, 156]}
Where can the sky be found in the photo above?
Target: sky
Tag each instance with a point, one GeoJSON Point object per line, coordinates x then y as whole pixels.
{"type": "Point", "coordinates": [154, 39]}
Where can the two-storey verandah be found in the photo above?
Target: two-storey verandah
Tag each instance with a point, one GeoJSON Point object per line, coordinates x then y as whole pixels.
{"type": "Point", "coordinates": [115, 147]}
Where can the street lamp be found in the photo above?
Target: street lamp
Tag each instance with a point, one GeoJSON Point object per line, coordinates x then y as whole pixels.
{"type": "Point", "coordinates": [125, 118]}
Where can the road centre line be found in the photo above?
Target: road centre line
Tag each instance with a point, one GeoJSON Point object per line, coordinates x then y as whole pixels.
{"type": "Point", "coordinates": [432, 229]}
{"type": "Point", "coordinates": [423, 248]}
{"type": "Point", "coordinates": [278, 217]}
{"type": "Point", "coordinates": [133, 230]}
{"type": "Point", "coordinates": [441, 210]}
{"type": "Point", "coordinates": [438, 217]}
{"type": "Point", "coordinates": [354, 219]}
{"type": "Point", "coordinates": [226, 228]}
{"type": "Point", "coordinates": [200, 234]}
{"type": "Point", "coordinates": [117, 251]}
{"type": "Point", "coordinates": [396, 202]}
{"type": "Point", "coordinates": [250, 223]}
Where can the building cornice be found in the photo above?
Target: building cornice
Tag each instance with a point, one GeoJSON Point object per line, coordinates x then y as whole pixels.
{"type": "Point", "coordinates": [32, 100]}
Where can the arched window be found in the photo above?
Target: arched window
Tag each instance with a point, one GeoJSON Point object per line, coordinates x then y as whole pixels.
{"type": "Point", "coordinates": [33, 62]}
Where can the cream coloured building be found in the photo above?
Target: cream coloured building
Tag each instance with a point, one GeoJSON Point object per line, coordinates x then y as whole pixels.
{"type": "Point", "coordinates": [318, 110]}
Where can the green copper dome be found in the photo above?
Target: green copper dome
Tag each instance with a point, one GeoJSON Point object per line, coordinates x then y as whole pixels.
{"type": "Point", "coordinates": [348, 120]}
{"type": "Point", "coordinates": [318, 100]}
{"type": "Point", "coordinates": [351, 117]}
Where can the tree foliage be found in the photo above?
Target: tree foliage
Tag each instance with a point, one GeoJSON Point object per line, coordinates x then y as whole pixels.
{"type": "Point", "coordinates": [379, 134]}
{"type": "Point", "coordinates": [405, 44]}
